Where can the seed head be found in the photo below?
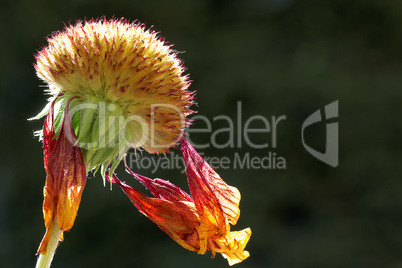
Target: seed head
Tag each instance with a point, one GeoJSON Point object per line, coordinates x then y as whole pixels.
{"type": "Point", "coordinates": [123, 64]}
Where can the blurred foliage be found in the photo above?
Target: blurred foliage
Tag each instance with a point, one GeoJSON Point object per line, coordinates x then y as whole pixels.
{"type": "Point", "coordinates": [278, 57]}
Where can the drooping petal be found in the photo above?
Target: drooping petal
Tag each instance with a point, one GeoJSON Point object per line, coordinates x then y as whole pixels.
{"type": "Point", "coordinates": [212, 196]}
{"type": "Point", "coordinates": [198, 223]}
{"type": "Point", "coordinates": [70, 175]}
{"type": "Point", "coordinates": [160, 188]}
{"type": "Point", "coordinates": [66, 176]}
{"type": "Point", "coordinates": [217, 205]}
{"type": "Point", "coordinates": [176, 218]}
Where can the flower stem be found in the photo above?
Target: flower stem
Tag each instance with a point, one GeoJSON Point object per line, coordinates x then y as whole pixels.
{"type": "Point", "coordinates": [44, 260]}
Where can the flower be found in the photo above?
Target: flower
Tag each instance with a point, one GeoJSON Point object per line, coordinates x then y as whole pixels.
{"type": "Point", "coordinates": [128, 87]}
{"type": "Point", "coordinates": [66, 177]}
{"type": "Point", "coordinates": [115, 85]}
{"type": "Point", "coordinates": [197, 223]}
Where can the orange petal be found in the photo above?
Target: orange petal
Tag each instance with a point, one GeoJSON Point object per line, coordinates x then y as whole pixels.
{"type": "Point", "coordinates": [68, 168]}
{"type": "Point", "coordinates": [66, 176]}
{"type": "Point", "coordinates": [212, 196]}
{"type": "Point", "coordinates": [176, 218]}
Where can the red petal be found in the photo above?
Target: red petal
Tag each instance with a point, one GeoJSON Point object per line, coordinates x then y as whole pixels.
{"type": "Point", "coordinates": [213, 198]}
{"type": "Point", "coordinates": [69, 172]}
{"type": "Point", "coordinates": [178, 219]}
{"type": "Point", "coordinates": [161, 188]}
{"type": "Point", "coordinates": [66, 176]}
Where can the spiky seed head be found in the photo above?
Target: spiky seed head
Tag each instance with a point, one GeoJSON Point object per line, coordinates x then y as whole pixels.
{"type": "Point", "coordinates": [131, 70]}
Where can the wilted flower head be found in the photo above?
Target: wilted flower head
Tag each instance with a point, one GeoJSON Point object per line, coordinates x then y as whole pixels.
{"type": "Point", "coordinates": [129, 87]}
{"type": "Point", "coordinates": [115, 85]}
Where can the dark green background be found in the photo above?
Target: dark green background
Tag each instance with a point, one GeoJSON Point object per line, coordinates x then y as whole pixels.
{"type": "Point", "coordinates": [278, 57]}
